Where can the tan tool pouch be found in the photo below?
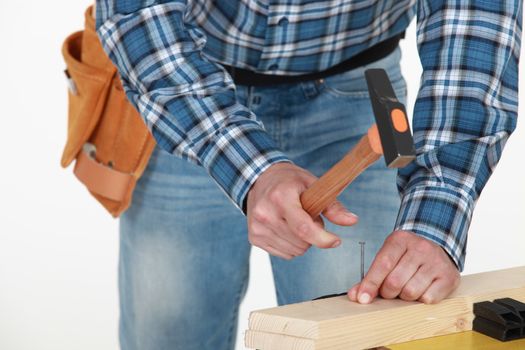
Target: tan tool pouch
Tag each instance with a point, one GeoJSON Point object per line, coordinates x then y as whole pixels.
{"type": "Point", "coordinates": [106, 136]}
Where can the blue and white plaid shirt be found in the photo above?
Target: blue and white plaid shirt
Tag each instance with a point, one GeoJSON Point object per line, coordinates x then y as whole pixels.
{"type": "Point", "coordinates": [169, 54]}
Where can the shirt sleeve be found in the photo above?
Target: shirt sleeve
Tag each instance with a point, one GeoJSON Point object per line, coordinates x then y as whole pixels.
{"type": "Point", "coordinates": [187, 101]}
{"type": "Point", "coordinates": [464, 113]}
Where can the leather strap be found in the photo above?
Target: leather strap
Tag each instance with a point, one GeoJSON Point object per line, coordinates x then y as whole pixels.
{"type": "Point", "coordinates": [101, 179]}
{"type": "Point", "coordinates": [372, 54]}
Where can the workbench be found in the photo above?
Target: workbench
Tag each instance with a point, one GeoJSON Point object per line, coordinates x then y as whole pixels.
{"type": "Point", "coordinates": [336, 323]}
{"type": "Point", "coordinates": [468, 340]}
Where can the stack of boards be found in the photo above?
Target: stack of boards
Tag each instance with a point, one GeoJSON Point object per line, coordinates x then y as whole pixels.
{"type": "Point", "coordinates": [337, 323]}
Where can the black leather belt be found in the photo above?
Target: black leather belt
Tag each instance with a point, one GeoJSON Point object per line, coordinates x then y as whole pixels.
{"type": "Point", "coordinates": [370, 55]}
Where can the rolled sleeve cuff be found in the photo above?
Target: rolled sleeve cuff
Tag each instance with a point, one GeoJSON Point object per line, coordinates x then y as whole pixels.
{"type": "Point", "coordinates": [241, 153]}
{"type": "Point", "coordinates": [438, 213]}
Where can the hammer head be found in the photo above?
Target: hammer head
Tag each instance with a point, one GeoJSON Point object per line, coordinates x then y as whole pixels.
{"type": "Point", "coordinates": [391, 119]}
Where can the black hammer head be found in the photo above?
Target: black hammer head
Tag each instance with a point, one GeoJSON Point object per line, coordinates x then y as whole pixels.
{"type": "Point", "coordinates": [391, 119]}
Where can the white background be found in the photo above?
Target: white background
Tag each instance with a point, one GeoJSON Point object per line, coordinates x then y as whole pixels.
{"type": "Point", "coordinates": [58, 247]}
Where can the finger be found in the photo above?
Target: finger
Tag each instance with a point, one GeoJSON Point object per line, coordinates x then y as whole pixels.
{"type": "Point", "coordinates": [304, 227]}
{"type": "Point", "coordinates": [318, 221]}
{"type": "Point", "coordinates": [352, 292]}
{"type": "Point", "coordinates": [384, 262]}
{"type": "Point", "coordinates": [285, 233]}
{"type": "Point", "coordinates": [400, 275]}
{"type": "Point", "coordinates": [418, 284]}
{"type": "Point", "coordinates": [439, 289]}
{"type": "Point", "coordinates": [267, 236]}
{"type": "Point", "coordinates": [275, 252]}
{"type": "Point", "coordinates": [339, 215]}
{"type": "Point", "coordinates": [269, 221]}
{"type": "Point", "coordinates": [284, 246]}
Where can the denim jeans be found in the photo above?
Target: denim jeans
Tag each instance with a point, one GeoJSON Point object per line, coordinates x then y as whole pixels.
{"type": "Point", "coordinates": [184, 249]}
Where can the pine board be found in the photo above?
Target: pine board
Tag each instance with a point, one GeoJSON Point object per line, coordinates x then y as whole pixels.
{"type": "Point", "coordinates": [337, 323]}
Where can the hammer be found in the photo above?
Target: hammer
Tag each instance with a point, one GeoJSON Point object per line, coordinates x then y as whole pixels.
{"type": "Point", "coordinates": [389, 136]}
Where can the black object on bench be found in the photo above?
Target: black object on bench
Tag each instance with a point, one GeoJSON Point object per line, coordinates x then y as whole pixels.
{"type": "Point", "coordinates": [502, 319]}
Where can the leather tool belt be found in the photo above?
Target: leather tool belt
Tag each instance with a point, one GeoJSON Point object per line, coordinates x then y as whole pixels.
{"type": "Point", "coordinates": [106, 135]}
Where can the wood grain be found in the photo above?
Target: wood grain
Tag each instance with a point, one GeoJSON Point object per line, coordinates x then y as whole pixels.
{"type": "Point", "coordinates": [325, 190]}
{"type": "Point", "coordinates": [337, 323]}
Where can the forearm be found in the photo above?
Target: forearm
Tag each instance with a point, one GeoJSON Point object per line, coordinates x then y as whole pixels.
{"type": "Point", "coordinates": [465, 111]}
{"type": "Point", "coordinates": [187, 101]}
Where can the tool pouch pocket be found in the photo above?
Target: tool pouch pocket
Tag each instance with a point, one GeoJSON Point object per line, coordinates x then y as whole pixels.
{"type": "Point", "coordinates": [105, 136]}
{"type": "Point", "coordinates": [88, 92]}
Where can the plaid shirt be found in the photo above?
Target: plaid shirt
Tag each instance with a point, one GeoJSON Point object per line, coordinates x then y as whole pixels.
{"type": "Point", "coordinates": [169, 52]}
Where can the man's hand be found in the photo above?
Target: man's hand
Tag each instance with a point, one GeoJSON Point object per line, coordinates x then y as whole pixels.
{"type": "Point", "coordinates": [277, 222]}
{"type": "Point", "coordinates": [409, 267]}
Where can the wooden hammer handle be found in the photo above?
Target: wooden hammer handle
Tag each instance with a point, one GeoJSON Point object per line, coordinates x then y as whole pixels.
{"type": "Point", "coordinates": [325, 190]}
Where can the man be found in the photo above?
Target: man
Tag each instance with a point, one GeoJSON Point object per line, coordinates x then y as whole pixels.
{"type": "Point", "coordinates": [260, 97]}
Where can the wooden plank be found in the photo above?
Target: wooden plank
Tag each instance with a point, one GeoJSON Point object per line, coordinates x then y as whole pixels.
{"type": "Point", "coordinates": [263, 340]}
{"type": "Point", "coordinates": [337, 323]}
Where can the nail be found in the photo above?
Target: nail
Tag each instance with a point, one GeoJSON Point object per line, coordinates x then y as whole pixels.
{"type": "Point", "coordinates": [351, 215]}
{"type": "Point", "coordinates": [364, 298]}
{"type": "Point", "coordinates": [336, 244]}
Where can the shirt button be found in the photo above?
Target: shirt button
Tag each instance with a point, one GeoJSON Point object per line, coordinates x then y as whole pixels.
{"type": "Point", "coordinates": [273, 67]}
{"type": "Point", "coordinates": [283, 21]}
